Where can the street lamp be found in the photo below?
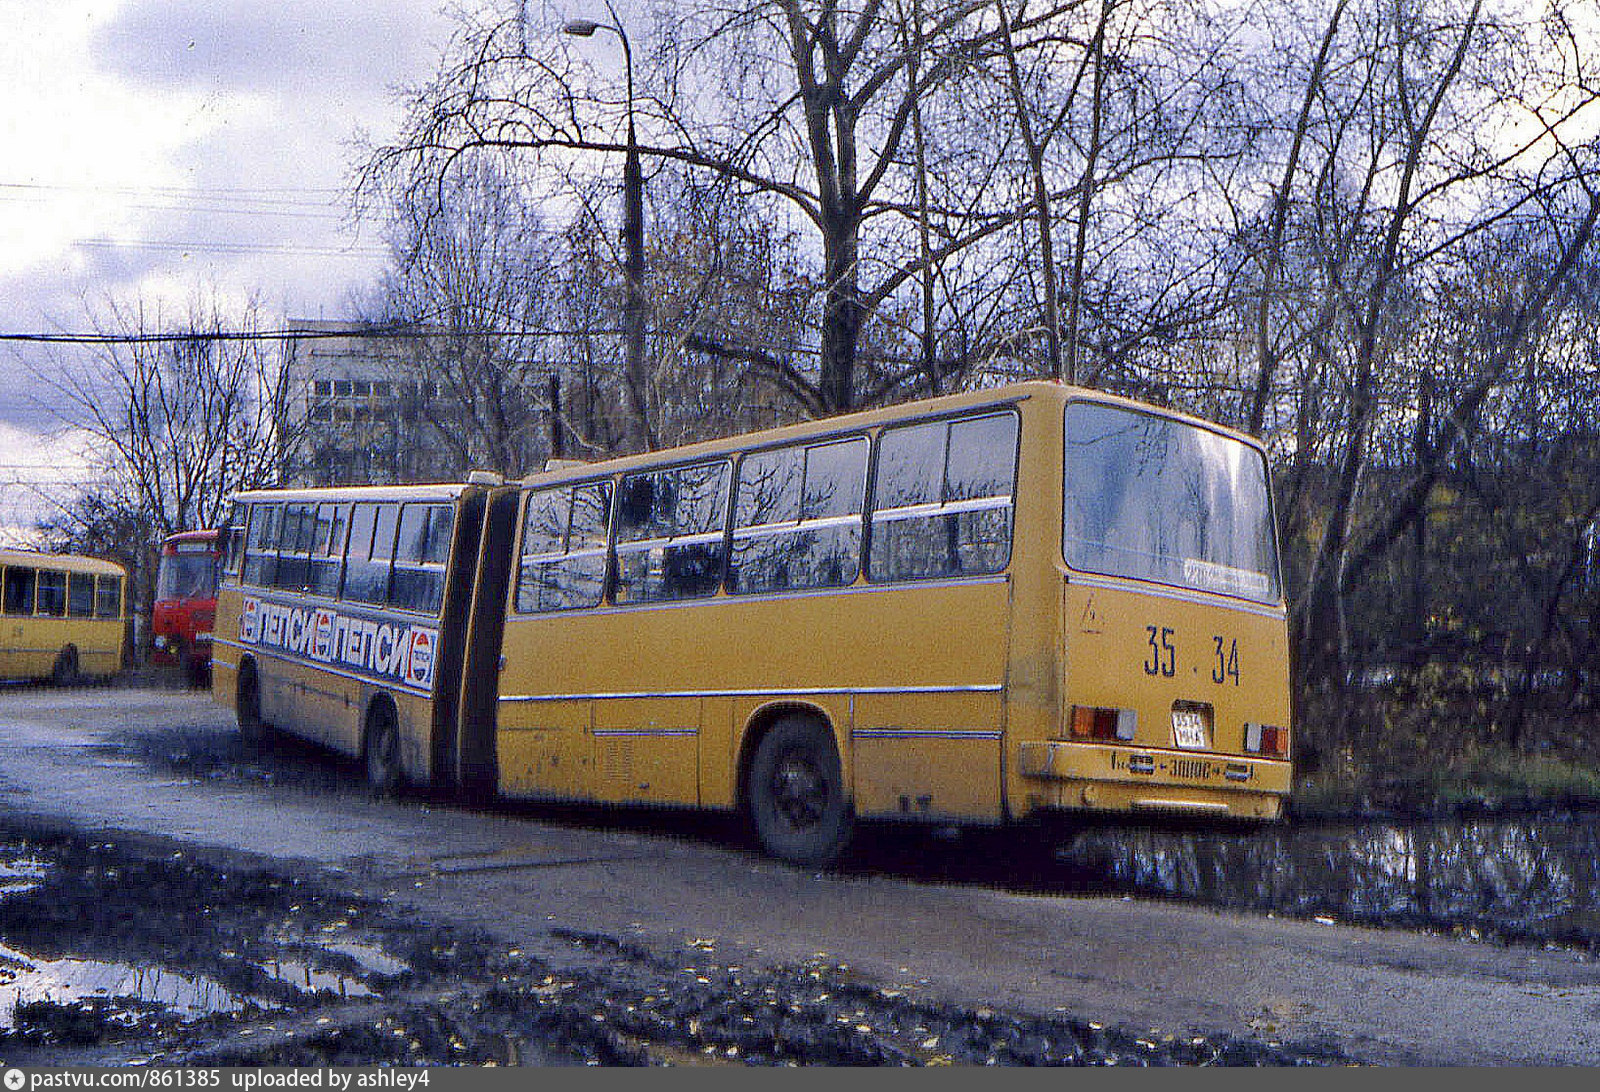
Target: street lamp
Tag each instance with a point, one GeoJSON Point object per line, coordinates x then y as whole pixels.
{"type": "Point", "coordinates": [632, 229]}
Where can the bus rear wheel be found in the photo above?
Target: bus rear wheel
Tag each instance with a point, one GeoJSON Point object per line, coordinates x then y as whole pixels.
{"type": "Point", "coordinates": [381, 748]}
{"type": "Point", "coordinates": [796, 794]}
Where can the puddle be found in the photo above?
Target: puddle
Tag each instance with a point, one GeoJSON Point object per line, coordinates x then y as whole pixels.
{"type": "Point", "coordinates": [370, 957]}
{"type": "Point", "coordinates": [124, 989]}
{"type": "Point", "coordinates": [19, 875]}
{"type": "Point", "coordinates": [308, 979]}
{"type": "Point", "coordinates": [25, 979]}
{"type": "Point", "coordinates": [1533, 879]}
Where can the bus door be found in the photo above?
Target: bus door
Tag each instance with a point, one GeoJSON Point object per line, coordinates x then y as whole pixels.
{"type": "Point", "coordinates": [543, 732]}
{"type": "Point", "coordinates": [926, 741]}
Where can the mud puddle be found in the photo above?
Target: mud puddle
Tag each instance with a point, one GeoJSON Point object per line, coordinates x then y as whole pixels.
{"type": "Point", "coordinates": [1524, 879]}
{"type": "Point", "coordinates": [119, 953]}
{"type": "Point", "coordinates": [1531, 879]}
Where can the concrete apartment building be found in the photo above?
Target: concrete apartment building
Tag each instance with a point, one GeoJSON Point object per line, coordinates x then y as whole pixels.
{"type": "Point", "coordinates": [363, 411]}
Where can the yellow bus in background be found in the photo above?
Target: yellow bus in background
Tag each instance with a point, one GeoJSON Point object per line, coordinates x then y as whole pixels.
{"type": "Point", "coordinates": [62, 617]}
{"type": "Point", "coordinates": [977, 609]}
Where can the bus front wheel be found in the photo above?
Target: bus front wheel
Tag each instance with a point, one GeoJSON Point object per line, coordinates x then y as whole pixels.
{"type": "Point", "coordinates": [382, 749]}
{"type": "Point", "coordinates": [796, 794]}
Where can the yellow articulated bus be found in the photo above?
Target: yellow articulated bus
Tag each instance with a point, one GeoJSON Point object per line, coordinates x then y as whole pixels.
{"type": "Point", "coordinates": [976, 609]}
{"type": "Point", "coordinates": [62, 617]}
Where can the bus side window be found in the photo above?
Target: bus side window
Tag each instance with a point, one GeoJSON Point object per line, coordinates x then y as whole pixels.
{"type": "Point", "coordinates": [942, 500]}
{"type": "Point", "coordinates": [366, 572]}
{"type": "Point", "coordinates": [672, 547]}
{"type": "Point", "coordinates": [80, 595]}
{"type": "Point", "coordinates": [19, 589]}
{"type": "Point", "coordinates": [420, 556]}
{"type": "Point", "coordinates": [52, 594]}
{"type": "Point", "coordinates": [327, 548]}
{"type": "Point", "coordinates": [108, 597]}
{"type": "Point", "coordinates": [234, 537]}
{"type": "Point", "coordinates": [797, 517]}
{"type": "Point", "coordinates": [294, 545]}
{"type": "Point", "coordinates": [564, 548]}
{"type": "Point", "coordinates": [261, 547]}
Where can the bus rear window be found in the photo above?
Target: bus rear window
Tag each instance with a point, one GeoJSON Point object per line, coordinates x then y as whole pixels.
{"type": "Point", "coordinates": [1155, 499]}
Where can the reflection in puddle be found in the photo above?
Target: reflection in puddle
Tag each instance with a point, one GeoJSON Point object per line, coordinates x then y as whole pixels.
{"type": "Point", "coordinates": [25, 978]}
{"type": "Point", "coordinates": [19, 875]}
{"type": "Point", "coordinates": [308, 979]}
{"type": "Point", "coordinates": [369, 957]}
{"type": "Point", "coordinates": [66, 980]}
{"type": "Point", "coordinates": [1534, 879]}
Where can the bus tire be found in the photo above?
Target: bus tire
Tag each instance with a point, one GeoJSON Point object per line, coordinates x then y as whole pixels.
{"type": "Point", "coordinates": [796, 793]}
{"type": "Point", "coordinates": [380, 749]}
{"type": "Point", "coordinates": [65, 671]}
{"type": "Point", "coordinates": [247, 705]}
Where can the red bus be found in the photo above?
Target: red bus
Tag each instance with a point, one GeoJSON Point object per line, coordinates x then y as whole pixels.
{"type": "Point", "coordinates": [186, 601]}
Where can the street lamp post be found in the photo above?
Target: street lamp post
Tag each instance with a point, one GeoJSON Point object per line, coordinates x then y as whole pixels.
{"type": "Point", "coordinates": [632, 233]}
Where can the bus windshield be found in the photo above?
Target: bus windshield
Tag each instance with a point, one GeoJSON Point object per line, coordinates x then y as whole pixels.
{"type": "Point", "coordinates": [187, 576]}
{"type": "Point", "coordinates": [1156, 499]}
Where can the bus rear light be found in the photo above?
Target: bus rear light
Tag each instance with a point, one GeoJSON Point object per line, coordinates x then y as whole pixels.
{"type": "Point", "coordinates": [1092, 723]}
{"type": "Point", "coordinates": [1266, 739]}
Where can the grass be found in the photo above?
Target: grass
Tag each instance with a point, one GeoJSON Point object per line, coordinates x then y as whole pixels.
{"type": "Point", "coordinates": [1483, 781]}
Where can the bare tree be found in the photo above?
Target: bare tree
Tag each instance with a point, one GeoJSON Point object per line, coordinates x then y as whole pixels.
{"type": "Point", "coordinates": [474, 272]}
{"type": "Point", "coordinates": [811, 111]}
{"type": "Point", "coordinates": [178, 414]}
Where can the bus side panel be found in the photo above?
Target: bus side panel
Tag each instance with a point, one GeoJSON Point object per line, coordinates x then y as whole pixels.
{"type": "Point", "coordinates": [646, 750]}
{"type": "Point", "coordinates": [934, 754]}
{"type": "Point", "coordinates": [544, 750]}
{"type": "Point", "coordinates": [417, 724]}
{"type": "Point", "coordinates": [309, 702]}
{"type": "Point", "coordinates": [225, 657]}
{"type": "Point", "coordinates": [719, 750]}
{"type": "Point", "coordinates": [100, 645]}
{"type": "Point", "coordinates": [24, 655]}
{"type": "Point", "coordinates": [928, 756]}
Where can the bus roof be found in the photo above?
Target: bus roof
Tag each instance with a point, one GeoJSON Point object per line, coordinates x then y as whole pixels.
{"type": "Point", "coordinates": [1010, 394]}
{"type": "Point", "coordinates": [206, 534]}
{"type": "Point", "coordinates": [72, 563]}
{"type": "Point", "coordinates": [436, 491]}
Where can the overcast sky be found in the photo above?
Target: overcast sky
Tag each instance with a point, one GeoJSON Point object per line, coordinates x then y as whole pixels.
{"type": "Point", "coordinates": [156, 148]}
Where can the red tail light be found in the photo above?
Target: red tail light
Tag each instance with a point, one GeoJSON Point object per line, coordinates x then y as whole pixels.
{"type": "Point", "coordinates": [1092, 723]}
{"type": "Point", "coordinates": [1266, 739]}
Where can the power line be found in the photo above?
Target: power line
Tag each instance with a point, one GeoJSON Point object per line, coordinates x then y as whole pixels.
{"type": "Point", "coordinates": [213, 247]}
{"type": "Point", "coordinates": [375, 332]}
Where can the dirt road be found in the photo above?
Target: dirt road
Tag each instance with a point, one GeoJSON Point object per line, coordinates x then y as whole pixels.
{"type": "Point", "coordinates": [577, 894]}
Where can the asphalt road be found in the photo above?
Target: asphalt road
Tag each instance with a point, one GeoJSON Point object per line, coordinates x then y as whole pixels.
{"type": "Point", "coordinates": [1383, 996]}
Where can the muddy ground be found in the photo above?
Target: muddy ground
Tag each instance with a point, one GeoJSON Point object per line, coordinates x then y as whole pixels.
{"type": "Point", "coordinates": [140, 951]}
{"type": "Point", "coordinates": [132, 949]}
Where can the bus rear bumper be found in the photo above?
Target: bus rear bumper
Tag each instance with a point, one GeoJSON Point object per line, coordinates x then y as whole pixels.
{"type": "Point", "coordinates": [1144, 779]}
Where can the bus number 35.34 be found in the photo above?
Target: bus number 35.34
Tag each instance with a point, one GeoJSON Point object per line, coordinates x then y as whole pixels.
{"type": "Point", "coordinates": [1163, 658]}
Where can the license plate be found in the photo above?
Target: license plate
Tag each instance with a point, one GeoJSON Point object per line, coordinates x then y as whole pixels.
{"type": "Point", "coordinates": [1189, 729]}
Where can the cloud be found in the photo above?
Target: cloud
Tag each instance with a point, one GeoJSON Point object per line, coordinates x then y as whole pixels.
{"type": "Point", "coordinates": [341, 48]}
{"type": "Point", "coordinates": [157, 147]}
